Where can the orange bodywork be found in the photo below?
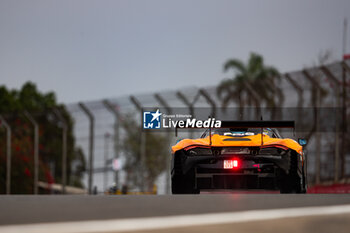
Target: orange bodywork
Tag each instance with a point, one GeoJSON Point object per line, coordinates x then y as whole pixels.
{"type": "Point", "coordinates": [255, 140]}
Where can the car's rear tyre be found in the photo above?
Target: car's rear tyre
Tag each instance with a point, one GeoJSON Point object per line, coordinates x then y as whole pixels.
{"type": "Point", "coordinates": [184, 184]}
{"type": "Point", "coordinates": [291, 182]}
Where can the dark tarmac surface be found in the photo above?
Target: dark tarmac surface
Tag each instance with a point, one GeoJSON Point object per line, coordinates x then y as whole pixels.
{"type": "Point", "coordinates": [41, 209]}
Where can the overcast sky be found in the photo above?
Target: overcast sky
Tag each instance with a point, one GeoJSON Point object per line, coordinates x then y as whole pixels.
{"type": "Point", "coordinates": [86, 50]}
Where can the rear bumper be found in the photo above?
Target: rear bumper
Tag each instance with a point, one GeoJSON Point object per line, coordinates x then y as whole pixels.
{"type": "Point", "coordinates": [258, 174]}
{"type": "Point", "coordinates": [236, 181]}
{"type": "Point", "coordinates": [254, 171]}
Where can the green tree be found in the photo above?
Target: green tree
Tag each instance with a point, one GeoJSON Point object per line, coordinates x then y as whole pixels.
{"type": "Point", "coordinates": [253, 76]}
{"type": "Point", "coordinates": [157, 154]}
{"type": "Point", "coordinates": [13, 103]}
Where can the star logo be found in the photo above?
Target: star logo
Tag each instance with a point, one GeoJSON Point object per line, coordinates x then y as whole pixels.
{"type": "Point", "coordinates": [151, 120]}
{"type": "Point", "coordinates": [156, 115]}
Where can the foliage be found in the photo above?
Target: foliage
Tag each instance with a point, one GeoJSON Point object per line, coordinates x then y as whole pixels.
{"type": "Point", "coordinates": [13, 104]}
{"type": "Point", "coordinates": [157, 152]}
{"type": "Point", "coordinates": [253, 78]}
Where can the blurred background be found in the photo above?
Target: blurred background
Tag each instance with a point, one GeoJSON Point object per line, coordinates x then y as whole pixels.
{"type": "Point", "coordinates": [76, 75]}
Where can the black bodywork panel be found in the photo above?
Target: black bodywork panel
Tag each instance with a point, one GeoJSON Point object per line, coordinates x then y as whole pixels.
{"type": "Point", "coordinates": [256, 171]}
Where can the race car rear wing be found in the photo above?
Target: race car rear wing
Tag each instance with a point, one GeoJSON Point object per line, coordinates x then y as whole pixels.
{"type": "Point", "coordinates": [251, 124]}
{"type": "Point", "coordinates": [257, 124]}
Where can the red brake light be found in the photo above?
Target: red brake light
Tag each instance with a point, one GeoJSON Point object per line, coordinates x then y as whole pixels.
{"type": "Point", "coordinates": [235, 163]}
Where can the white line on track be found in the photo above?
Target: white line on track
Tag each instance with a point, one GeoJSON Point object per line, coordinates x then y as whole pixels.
{"type": "Point", "coordinates": [153, 223]}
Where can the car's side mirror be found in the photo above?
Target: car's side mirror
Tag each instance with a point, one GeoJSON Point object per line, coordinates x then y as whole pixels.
{"type": "Point", "coordinates": [302, 141]}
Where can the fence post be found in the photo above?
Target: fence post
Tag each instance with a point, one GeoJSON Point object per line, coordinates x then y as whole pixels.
{"type": "Point", "coordinates": [8, 154]}
{"type": "Point", "coordinates": [91, 143]}
{"type": "Point", "coordinates": [327, 72]}
{"type": "Point", "coordinates": [163, 103]}
{"type": "Point", "coordinates": [184, 99]}
{"type": "Point", "coordinates": [317, 121]}
{"type": "Point", "coordinates": [64, 148]}
{"type": "Point", "coordinates": [117, 119]}
{"type": "Point", "coordinates": [36, 150]}
{"type": "Point", "coordinates": [105, 170]}
{"type": "Point", "coordinates": [300, 93]}
{"type": "Point", "coordinates": [346, 69]}
{"type": "Point", "coordinates": [142, 143]}
{"type": "Point", "coordinates": [210, 101]}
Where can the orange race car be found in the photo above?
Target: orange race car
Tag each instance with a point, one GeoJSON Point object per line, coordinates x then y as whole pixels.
{"type": "Point", "coordinates": [240, 155]}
